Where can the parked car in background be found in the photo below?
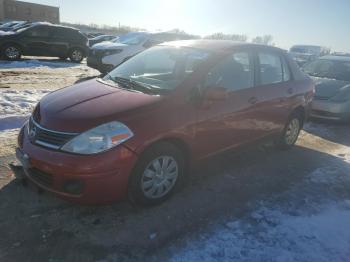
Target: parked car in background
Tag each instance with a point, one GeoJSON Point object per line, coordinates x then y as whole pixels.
{"type": "Point", "coordinates": [135, 131]}
{"type": "Point", "coordinates": [43, 39]}
{"type": "Point", "coordinates": [306, 53]}
{"type": "Point", "coordinates": [101, 38]}
{"type": "Point", "coordinates": [10, 25]}
{"type": "Point", "coordinates": [106, 56]}
{"type": "Point", "coordinates": [93, 35]}
{"type": "Point", "coordinates": [341, 54]}
{"type": "Point", "coordinates": [332, 78]}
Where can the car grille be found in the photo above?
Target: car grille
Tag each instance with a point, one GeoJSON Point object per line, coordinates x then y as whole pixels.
{"type": "Point", "coordinates": [47, 138]}
{"type": "Point", "coordinates": [41, 177]}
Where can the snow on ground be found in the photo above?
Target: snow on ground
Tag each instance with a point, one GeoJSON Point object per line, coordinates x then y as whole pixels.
{"type": "Point", "coordinates": [17, 105]}
{"type": "Point", "coordinates": [309, 222]}
{"type": "Point", "coordinates": [33, 63]}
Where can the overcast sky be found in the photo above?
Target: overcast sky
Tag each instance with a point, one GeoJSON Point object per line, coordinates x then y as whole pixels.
{"type": "Point", "coordinates": [319, 22]}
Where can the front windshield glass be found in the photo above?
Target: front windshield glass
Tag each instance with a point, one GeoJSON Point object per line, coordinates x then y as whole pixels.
{"type": "Point", "coordinates": [158, 69]}
{"type": "Point", "coordinates": [339, 70]}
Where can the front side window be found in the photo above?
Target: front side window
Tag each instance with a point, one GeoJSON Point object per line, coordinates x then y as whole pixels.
{"type": "Point", "coordinates": [271, 71]}
{"type": "Point", "coordinates": [233, 73]}
{"type": "Point", "coordinates": [160, 68]}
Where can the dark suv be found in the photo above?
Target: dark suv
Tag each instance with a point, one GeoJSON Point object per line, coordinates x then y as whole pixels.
{"type": "Point", "coordinates": [44, 40]}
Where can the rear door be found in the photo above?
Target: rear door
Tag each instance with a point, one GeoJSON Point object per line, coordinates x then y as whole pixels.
{"type": "Point", "coordinates": [37, 40]}
{"type": "Point", "coordinates": [274, 90]}
{"type": "Point", "coordinates": [60, 40]}
{"type": "Point", "coordinates": [224, 124]}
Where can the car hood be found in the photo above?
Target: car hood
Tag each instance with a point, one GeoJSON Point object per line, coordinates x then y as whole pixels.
{"type": "Point", "coordinates": [108, 45]}
{"type": "Point", "coordinates": [327, 88]}
{"type": "Point", "coordinates": [86, 105]}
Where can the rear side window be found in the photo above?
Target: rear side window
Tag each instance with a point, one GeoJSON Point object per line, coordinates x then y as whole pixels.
{"type": "Point", "coordinates": [234, 73]}
{"type": "Point", "coordinates": [271, 70]}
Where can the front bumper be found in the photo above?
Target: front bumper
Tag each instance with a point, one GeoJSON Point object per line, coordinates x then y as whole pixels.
{"type": "Point", "coordinates": [94, 179]}
{"type": "Point", "coordinates": [329, 110]}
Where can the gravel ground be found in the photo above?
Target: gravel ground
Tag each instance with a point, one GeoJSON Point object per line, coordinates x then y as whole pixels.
{"type": "Point", "coordinates": [258, 204]}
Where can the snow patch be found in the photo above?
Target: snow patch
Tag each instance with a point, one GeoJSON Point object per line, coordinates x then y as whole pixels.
{"type": "Point", "coordinates": [309, 222]}
{"type": "Point", "coordinates": [17, 105]}
{"type": "Point", "coordinates": [37, 63]}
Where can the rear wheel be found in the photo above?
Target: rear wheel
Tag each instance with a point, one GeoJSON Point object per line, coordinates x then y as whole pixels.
{"type": "Point", "coordinates": [76, 55]}
{"type": "Point", "coordinates": [291, 132]}
{"type": "Point", "coordinates": [157, 174]}
{"type": "Point", "coordinates": [11, 52]}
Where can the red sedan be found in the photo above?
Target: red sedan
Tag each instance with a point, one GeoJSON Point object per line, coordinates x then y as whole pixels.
{"type": "Point", "coordinates": [135, 131]}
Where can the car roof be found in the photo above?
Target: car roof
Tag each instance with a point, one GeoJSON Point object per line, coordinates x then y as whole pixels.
{"type": "Point", "coordinates": [217, 45]}
{"type": "Point", "coordinates": [336, 58]}
{"type": "Point", "coordinates": [51, 25]}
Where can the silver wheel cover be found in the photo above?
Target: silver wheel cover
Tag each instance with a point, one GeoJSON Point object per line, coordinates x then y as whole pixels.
{"type": "Point", "coordinates": [159, 177]}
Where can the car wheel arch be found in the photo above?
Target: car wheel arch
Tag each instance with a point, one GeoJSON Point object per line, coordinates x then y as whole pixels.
{"type": "Point", "coordinates": [178, 142]}
{"type": "Point", "coordinates": [12, 43]}
{"type": "Point", "coordinates": [299, 110]}
{"type": "Point", "coordinates": [77, 47]}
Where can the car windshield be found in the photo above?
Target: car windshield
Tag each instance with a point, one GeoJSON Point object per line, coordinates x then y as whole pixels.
{"type": "Point", "coordinates": [158, 69]}
{"type": "Point", "coordinates": [339, 70]}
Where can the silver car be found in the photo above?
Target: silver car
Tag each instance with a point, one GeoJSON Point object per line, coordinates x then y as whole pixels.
{"type": "Point", "coordinates": [332, 79]}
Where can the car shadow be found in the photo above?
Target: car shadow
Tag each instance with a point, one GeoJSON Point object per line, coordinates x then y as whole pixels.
{"type": "Point", "coordinates": [220, 187]}
{"type": "Point", "coordinates": [337, 132]}
{"type": "Point", "coordinates": [31, 62]}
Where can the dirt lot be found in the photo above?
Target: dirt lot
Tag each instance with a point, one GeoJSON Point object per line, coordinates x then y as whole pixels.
{"type": "Point", "coordinates": [198, 223]}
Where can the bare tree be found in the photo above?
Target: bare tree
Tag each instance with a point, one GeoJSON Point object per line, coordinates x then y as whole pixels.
{"type": "Point", "coordinates": [264, 40]}
{"type": "Point", "coordinates": [222, 36]}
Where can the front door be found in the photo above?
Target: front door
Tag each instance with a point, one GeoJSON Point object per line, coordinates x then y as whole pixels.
{"type": "Point", "coordinates": [37, 40]}
{"type": "Point", "coordinates": [230, 122]}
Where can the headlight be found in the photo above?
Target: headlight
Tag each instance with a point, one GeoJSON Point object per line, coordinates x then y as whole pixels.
{"type": "Point", "coordinates": [343, 95]}
{"type": "Point", "coordinates": [113, 52]}
{"type": "Point", "coordinates": [99, 139]}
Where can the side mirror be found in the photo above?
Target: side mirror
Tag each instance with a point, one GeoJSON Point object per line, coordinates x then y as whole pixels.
{"type": "Point", "coordinates": [215, 94]}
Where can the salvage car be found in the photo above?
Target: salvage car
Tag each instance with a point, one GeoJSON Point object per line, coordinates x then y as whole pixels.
{"type": "Point", "coordinates": [306, 53]}
{"type": "Point", "coordinates": [44, 39]}
{"type": "Point", "coordinates": [106, 56]}
{"type": "Point", "coordinates": [135, 132]}
{"type": "Point", "coordinates": [332, 78]}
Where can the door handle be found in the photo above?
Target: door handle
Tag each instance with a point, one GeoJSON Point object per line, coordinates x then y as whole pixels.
{"type": "Point", "coordinates": [290, 90]}
{"type": "Point", "coordinates": [252, 100]}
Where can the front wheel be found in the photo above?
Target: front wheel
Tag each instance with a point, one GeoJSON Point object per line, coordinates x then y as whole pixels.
{"type": "Point", "coordinates": [157, 174]}
{"type": "Point", "coordinates": [11, 52]}
{"type": "Point", "coordinates": [290, 133]}
{"type": "Point", "coordinates": [76, 55]}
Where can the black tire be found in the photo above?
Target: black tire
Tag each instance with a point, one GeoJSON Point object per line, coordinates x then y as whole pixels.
{"type": "Point", "coordinates": [290, 133]}
{"type": "Point", "coordinates": [11, 52]}
{"type": "Point", "coordinates": [135, 191]}
{"type": "Point", "coordinates": [76, 55]}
